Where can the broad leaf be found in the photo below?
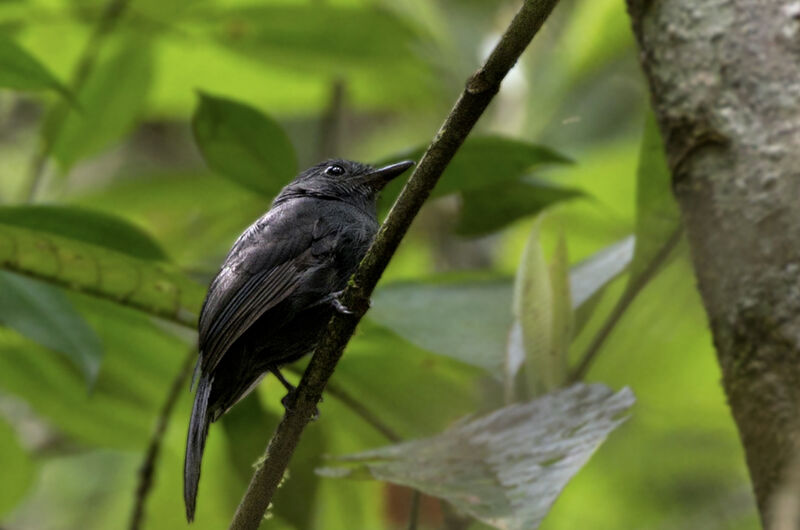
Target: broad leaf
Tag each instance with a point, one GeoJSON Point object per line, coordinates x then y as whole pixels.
{"type": "Point", "coordinates": [589, 277]}
{"type": "Point", "coordinates": [507, 468]}
{"type": "Point", "coordinates": [46, 316]}
{"type": "Point", "coordinates": [18, 469]}
{"type": "Point", "coordinates": [110, 101]}
{"type": "Point", "coordinates": [155, 287]}
{"type": "Point", "coordinates": [657, 215]}
{"type": "Point", "coordinates": [483, 162]}
{"type": "Point", "coordinates": [84, 225]}
{"type": "Point", "coordinates": [243, 144]}
{"type": "Point", "coordinates": [492, 208]}
{"type": "Point", "coordinates": [140, 360]}
{"type": "Point", "coordinates": [318, 38]}
{"type": "Point", "coordinates": [21, 71]}
{"type": "Point", "coordinates": [465, 321]}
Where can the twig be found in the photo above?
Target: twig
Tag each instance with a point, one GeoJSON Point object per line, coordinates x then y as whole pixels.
{"type": "Point", "coordinates": [331, 123]}
{"type": "Point", "coordinates": [622, 305]}
{"type": "Point", "coordinates": [480, 90]}
{"type": "Point", "coordinates": [413, 513]}
{"type": "Point", "coordinates": [105, 25]}
{"type": "Point", "coordinates": [148, 466]}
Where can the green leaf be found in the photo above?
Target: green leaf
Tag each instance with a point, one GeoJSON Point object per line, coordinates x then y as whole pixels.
{"type": "Point", "coordinates": [533, 309]}
{"type": "Point", "coordinates": [43, 314]}
{"type": "Point", "coordinates": [317, 38]}
{"type": "Point", "coordinates": [562, 309]}
{"type": "Point", "coordinates": [492, 208]}
{"type": "Point", "coordinates": [465, 321]}
{"type": "Point", "coordinates": [591, 276]}
{"type": "Point", "coordinates": [140, 360]}
{"type": "Point", "coordinates": [155, 287]}
{"type": "Point", "coordinates": [243, 144]}
{"type": "Point", "coordinates": [18, 469]}
{"type": "Point", "coordinates": [657, 215]}
{"type": "Point", "coordinates": [507, 468]}
{"type": "Point", "coordinates": [85, 225]}
{"type": "Point", "coordinates": [111, 100]}
{"type": "Point", "coordinates": [482, 162]}
{"type": "Point", "coordinates": [21, 71]}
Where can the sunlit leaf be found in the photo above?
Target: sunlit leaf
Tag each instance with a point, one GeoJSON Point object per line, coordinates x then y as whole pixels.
{"type": "Point", "coordinates": [589, 277]}
{"type": "Point", "coordinates": [18, 469]}
{"type": "Point", "coordinates": [155, 287]}
{"type": "Point", "coordinates": [491, 208]}
{"type": "Point", "coordinates": [45, 315]}
{"type": "Point", "coordinates": [483, 162]}
{"type": "Point", "coordinates": [558, 271]}
{"type": "Point", "coordinates": [533, 309]}
{"type": "Point", "coordinates": [243, 144]}
{"type": "Point", "coordinates": [657, 215]}
{"type": "Point", "coordinates": [21, 71]}
{"type": "Point", "coordinates": [84, 225]}
{"type": "Point", "coordinates": [110, 102]}
{"type": "Point", "coordinates": [326, 38]}
{"type": "Point", "coordinates": [507, 468]}
{"type": "Point", "coordinates": [465, 321]}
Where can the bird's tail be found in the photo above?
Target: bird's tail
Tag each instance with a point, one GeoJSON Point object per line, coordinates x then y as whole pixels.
{"type": "Point", "coordinates": [195, 443]}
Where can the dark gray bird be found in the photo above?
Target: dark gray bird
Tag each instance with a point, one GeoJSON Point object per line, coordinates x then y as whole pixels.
{"type": "Point", "coordinates": [276, 290]}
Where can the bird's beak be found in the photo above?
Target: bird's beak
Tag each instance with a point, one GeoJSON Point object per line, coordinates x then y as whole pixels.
{"type": "Point", "coordinates": [380, 177]}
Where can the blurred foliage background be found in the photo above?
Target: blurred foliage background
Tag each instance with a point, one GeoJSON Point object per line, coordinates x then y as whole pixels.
{"type": "Point", "coordinates": [144, 136]}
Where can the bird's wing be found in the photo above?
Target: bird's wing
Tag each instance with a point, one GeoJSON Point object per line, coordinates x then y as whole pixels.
{"type": "Point", "coordinates": [264, 267]}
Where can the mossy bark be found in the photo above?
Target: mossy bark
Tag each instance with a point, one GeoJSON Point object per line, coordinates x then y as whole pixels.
{"type": "Point", "coordinates": [725, 84]}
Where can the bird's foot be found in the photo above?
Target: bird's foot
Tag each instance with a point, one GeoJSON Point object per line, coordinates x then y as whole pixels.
{"type": "Point", "coordinates": [334, 300]}
{"type": "Point", "coordinates": [290, 400]}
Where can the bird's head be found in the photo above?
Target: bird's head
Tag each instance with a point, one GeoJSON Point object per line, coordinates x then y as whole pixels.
{"type": "Point", "coordinates": [345, 180]}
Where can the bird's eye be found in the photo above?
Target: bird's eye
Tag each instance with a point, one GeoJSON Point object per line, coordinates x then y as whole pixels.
{"type": "Point", "coordinates": [334, 171]}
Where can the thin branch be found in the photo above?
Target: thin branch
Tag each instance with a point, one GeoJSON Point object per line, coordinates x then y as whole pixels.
{"type": "Point", "coordinates": [413, 513]}
{"type": "Point", "coordinates": [331, 123]}
{"type": "Point", "coordinates": [480, 90]}
{"type": "Point", "coordinates": [627, 298]}
{"type": "Point", "coordinates": [357, 407]}
{"type": "Point", "coordinates": [105, 25]}
{"type": "Point", "coordinates": [147, 469]}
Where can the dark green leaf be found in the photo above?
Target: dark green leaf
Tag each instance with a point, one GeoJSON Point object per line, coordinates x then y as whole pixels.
{"type": "Point", "coordinates": [492, 208]}
{"type": "Point", "coordinates": [483, 162]}
{"type": "Point", "coordinates": [21, 71]}
{"type": "Point", "coordinates": [43, 314]}
{"type": "Point", "coordinates": [243, 144]}
{"type": "Point", "coordinates": [85, 225]}
{"type": "Point", "coordinates": [110, 101]}
{"type": "Point", "coordinates": [657, 215]}
{"type": "Point", "coordinates": [155, 287]}
{"type": "Point", "coordinates": [467, 321]}
{"type": "Point", "coordinates": [507, 468]}
{"type": "Point", "coordinates": [18, 469]}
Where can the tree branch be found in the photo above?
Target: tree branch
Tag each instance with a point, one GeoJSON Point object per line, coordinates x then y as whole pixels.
{"type": "Point", "coordinates": [627, 298]}
{"type": "Point", "coordinates": [480, 90]}
{"type": "Point", "coordinates": [147, 469]}
{"type": "Point", "coordinates": [724, 84]}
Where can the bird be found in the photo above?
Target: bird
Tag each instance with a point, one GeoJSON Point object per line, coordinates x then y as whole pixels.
{"type": "Point", "coordinates": [277, 288]}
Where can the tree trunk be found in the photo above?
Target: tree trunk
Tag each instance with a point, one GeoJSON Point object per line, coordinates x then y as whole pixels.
{"type": "Point", "coordinates": [725, 83]}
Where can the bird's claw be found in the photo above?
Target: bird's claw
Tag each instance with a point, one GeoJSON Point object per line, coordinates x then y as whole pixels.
{"type": "Point", "coordinates": [338, 305]}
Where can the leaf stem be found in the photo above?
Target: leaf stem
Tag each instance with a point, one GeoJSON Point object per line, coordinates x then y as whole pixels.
{"type": "Point", "coordinates": [627, 298]}
{"type": "Point", "coordinates": [105, 25]}
{"type": "Point", "coordinates": [479, 91]}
